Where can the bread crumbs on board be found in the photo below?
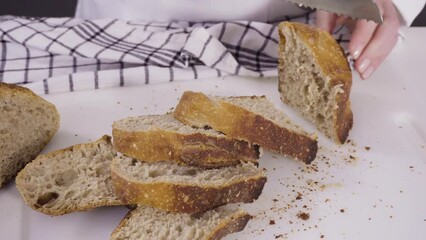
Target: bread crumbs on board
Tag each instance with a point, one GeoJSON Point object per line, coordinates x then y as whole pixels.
{"type": "Point", "coordinates": [280, 236]}
{"type": "Point", "coordinates": [292, 208]}
{"type": "Point", "coordinates": [303, 215]}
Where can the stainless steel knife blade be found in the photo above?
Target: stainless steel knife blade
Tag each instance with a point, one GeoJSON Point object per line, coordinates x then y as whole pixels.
{"type": "Point", "coordinates": [360, 9]}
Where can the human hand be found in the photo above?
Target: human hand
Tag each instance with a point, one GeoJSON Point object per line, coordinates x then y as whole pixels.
{"type": "Point", "coordinates": [370, 43]}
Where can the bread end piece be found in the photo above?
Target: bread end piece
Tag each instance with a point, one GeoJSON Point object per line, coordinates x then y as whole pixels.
{"type": "Point", "coordinates": [76, 178]}
{"type": "Point", "coordinates": [315, 78]}
{"type": "Point", "coordinates": [27, 124]}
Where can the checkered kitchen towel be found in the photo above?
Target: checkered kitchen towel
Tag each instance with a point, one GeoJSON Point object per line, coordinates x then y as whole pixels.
{"type": "Point", "coordinates": [50, 55]}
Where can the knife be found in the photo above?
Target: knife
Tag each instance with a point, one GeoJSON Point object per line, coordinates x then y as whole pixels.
{"type": "Point", "coordinates": [359, 9]}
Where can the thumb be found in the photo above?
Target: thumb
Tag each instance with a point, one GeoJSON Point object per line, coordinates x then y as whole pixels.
{"type": "Point", "coordinates": [326, 21]}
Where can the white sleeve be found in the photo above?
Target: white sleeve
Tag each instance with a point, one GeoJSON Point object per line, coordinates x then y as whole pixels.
{"type": "Point", "coordinates": [409, 9]}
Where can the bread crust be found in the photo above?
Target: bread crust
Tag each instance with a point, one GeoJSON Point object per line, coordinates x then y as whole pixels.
{"type": "Point", "coordinates": [20, 183]}
{"type": "Point", "coordinates": [186, 198]}
{"type": "Point", "coordinates": [332, 61]}
{"type": "Point", "coordinates": [122, 223]}
{"type": "Point", "coordinates": [197, 109]}
{"type": "Point", "coordinates": [194, 149]}
{"type": "Point", "coordinates": [235, 223]}
{"type": "Point", "coordinates": [28, 152]}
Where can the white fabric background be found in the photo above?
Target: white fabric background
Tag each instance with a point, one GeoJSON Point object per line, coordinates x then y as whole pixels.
{"type": "Point", "coordinates": [210, 10]}
{"type": "Point", "coordinates": [50, 55]}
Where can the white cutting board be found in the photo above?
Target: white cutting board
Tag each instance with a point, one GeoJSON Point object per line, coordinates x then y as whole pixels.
{"type": "Point", "coordinates": [355, 193]}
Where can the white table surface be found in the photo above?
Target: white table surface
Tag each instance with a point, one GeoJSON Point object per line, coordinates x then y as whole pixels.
{"type": "Point", "coordinates": [382, 191]}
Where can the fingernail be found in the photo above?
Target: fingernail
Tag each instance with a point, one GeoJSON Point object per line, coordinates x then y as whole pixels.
{"type": "Point", "coordinates": [368, 72]}
{"type": "Point", "coordinates": [356, 54]}
{"type": "Point", "coordinates": [364, 65]}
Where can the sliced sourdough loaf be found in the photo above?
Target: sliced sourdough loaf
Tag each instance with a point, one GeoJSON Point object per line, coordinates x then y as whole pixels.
{"type": "Point", "coordinates": [315, 78]}
{"type": "Point", "coordinates": [27, 123]}
{"type": "Point", "coordinates": [148, 223]}
{"type": "Point", "coordinates": [252, 119]}
{"type": "Point", "coordinates": [77, 178]}
{"type": "Point", "coordinates": [184, 189]}
{"type": "Point", "coordinates": [161, 137]}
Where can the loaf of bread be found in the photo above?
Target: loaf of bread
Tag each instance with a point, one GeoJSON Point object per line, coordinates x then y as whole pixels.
{"type": "Point", "coordinates": [27, 124]}
{"type": "Point", "coordinates": [315, 78]}
{"type": "Point", "coordinates": [77, 178]}
{"type": "Point", "coordinates": [161, 137]}
{"type": "Point", "coordinates": [252, 119]}
{"type": "Point", "coordinates": [184, 189]}
{"type": "Point", "coordinates": [148, 223]}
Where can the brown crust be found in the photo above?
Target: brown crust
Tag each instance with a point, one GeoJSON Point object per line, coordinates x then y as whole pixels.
{"type": "Point", "coordinates": [103, 203]}
{"type": "Point", "coordinates": [344, 120]}
{"type": "Point", "coordinates": [181, 198]}
{"type": "Point", "coordinates": [235, 224]}
{"type": "Point", "coordinates": [13, 91]}
{"type": "Point", "coordinates": [21, 175]}
{"type": "Point", "coordinates": [198, 110]}
{"type": "Point", "coordinates": [123, 222]}
{"type": "Point", "coordinates": [195, 149]}
{"type": "Point", "coordinates": [333, 63]}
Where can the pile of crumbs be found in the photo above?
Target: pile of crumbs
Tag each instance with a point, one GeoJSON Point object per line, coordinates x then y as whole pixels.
{"type": "Point", "coordinates": [300, 197]}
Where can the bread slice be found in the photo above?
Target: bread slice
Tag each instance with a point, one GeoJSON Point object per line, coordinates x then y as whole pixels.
{"type": "Point", "coordinates": [161, 137]}
{"type": "Point", "coordinates": [315, 78]}
{"type": "Point", "coordinates": [27, 123]}
{"type": "Point", "coordinates": [252, 119]}
{"type": "Point", "coordinates": [148, 223]}
{"type": "Point", "coordinates": [77, 178]}
{"type": "Point", "coordinates": [175, 188]}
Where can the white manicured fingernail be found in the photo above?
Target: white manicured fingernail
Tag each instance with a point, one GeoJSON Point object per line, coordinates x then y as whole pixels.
{"type": "Point", "coordinates": [368, 72]}
{"type": "Point", "coordinates": [356, 54]}
{"type": "Point", "coordinates": [364, 65]}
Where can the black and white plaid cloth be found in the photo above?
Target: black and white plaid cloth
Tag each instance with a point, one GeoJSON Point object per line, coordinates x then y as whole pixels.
{"type": "Point", "coordinates": [50, 55]}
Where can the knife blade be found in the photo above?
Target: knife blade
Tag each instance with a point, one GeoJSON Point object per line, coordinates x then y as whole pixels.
{"type": "Point", "coordinates": [359, 9]}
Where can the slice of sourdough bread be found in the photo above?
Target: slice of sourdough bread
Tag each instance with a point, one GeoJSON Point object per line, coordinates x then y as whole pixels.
{"type": "Point", "coordinates": [77, 178]}
{"type": "Point", "coordinates": [184, 189]}
{"type": "Point", "coordinates": [27, 123]}
{"type": "Point", "coordinates": [252, 119]}
{"type": "Point", "coordinates": [315, 78]}
{"type": "Point", "coordinates": [161, 137]}
{"type": "Point", "coordinates": [149, 223]}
